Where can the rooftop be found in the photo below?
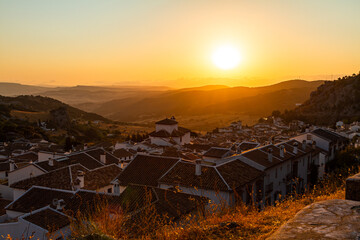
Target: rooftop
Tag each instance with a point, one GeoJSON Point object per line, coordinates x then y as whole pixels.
{"type": "Point", "coordinates": [167, 121]}
{"type": "Point", "coordinates": [48, 219]}
{"type": "Point", "coordinates": [146, 170]}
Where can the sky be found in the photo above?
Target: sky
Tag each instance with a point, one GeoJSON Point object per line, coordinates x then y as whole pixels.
{"type": "Point", "coordinates": [168, 42]}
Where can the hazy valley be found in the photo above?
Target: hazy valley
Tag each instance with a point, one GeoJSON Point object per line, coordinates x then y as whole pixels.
{"type": "Point", "coordinates": [200, 108]}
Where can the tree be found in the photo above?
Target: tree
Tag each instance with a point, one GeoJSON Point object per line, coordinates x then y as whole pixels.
{"type": "Point", "coordinates": [276, 113]}
{"type": "Point", "coordinates": [68, 144]}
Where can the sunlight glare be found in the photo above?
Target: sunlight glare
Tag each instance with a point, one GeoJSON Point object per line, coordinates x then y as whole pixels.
{"type": "Point", "coordinates": [226, 57]}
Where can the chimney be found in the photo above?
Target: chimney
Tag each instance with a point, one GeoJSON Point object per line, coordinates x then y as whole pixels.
{"type": "Point", "coordinates": [304, 144]}
{"type": "Point", "coordinates": [85, 146]}
{"type": "Point", "coordinates": [103, 158]}
{"type": "Point", "coordinates": [51, 161]}
{"type": "Point", "coordinates": [58, 203]}
{"type": "Point", "coordinates": [172, 118]}
{"type": "Point", "coordinates": [314, 144]}
{"type": "Point", "coordinates": [295, 151]}
{"type": "Point", "coordinates": [12, 165]}
{"type": "Point", "coordinates": [197, 167]}
{"type": "Point", "coordinates": [270, 155]}
{"type": "Point", "coordinates": [282, 147]}
{"type": "Point", "coordinates": [80, 180]}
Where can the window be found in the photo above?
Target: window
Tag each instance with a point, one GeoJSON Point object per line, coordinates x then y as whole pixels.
{"type": "Point", "coordinates": [276, 173]}
{"type": "Point", "coordinates": [109, 190]}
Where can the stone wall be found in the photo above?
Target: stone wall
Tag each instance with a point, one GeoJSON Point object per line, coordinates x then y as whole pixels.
{"type": "Point", "coordinates": [353, 188]}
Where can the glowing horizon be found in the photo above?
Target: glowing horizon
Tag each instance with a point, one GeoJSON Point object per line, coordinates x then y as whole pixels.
{"type": "Point", "coordinates": [171, 43]}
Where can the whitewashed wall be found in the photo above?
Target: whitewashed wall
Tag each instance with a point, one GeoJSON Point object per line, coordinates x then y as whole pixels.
{"type": "Point", "coordinates": [168, 128]}
{"type": "Point", "coordinates": [24, 173]}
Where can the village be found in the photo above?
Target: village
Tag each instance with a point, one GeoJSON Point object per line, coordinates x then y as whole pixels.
{"type": "Point", "coordinates": [43, 187]}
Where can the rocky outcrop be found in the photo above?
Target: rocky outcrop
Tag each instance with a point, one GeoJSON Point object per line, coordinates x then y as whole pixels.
{"type": "Point", "coordinates": [331, 102]}
{"type": "Point", "coordinates": [331, 219]}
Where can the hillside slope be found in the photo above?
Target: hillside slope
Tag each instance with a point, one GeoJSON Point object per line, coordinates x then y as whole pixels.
{"type": "Point", "coordinates": [38, 104]}
{"type": "Point", "coordinates": [331, 102]}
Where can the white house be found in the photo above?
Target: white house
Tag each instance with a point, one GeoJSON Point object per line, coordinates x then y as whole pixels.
{"type": "Point", "coordinates": [168, 133]}
{"type": "Point", "coordinates": [326, 140]}
{"type": "Point", "coordinates": [227, 183]}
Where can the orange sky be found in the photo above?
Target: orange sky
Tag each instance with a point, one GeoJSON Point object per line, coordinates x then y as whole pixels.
{"type": "Point", "coordinates": [164, 42]}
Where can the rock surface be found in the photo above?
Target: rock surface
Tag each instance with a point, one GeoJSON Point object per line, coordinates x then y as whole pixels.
{"type": "Point", "coordinates": [331, 219]}
{"type": "Point", "coordinates": [353, 188]}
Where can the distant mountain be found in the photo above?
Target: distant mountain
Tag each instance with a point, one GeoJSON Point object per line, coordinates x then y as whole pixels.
{"type": "Point", "coordinates": [257, 101]}
{"type": "Point", "coordinates": [331, 102]}
{"type": "Point", "coordinates": [38, 104]}
{"type": "Point", "coordinates": [15, 89]}
{"type": "Point", "coordinates": [146, 103]}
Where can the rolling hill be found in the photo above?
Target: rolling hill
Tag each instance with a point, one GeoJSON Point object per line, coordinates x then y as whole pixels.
{"type": "Point", "coordinates": [146, 104]}
{"type": "Point", "coordinates": [257, 101]}
{"type": "Point", "coordinates": [37, 105]}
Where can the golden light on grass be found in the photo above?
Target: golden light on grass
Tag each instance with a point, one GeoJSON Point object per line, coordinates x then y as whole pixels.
{"type": "Point", "coordinates": [226, 57]}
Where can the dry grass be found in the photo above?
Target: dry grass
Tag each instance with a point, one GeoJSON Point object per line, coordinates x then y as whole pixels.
{"type": "Point", "coordinates": [240, 222]}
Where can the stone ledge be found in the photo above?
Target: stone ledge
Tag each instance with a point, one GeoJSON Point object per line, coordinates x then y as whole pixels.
{"type": "Point", "coordinates": [353, 188]}
{"type": "Point", "coordinates": [331, 219]}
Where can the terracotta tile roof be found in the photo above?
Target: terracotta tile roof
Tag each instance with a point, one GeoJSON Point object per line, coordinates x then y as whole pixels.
{"type": "Point", "coordinates": [95, 153]}
{"type": "Point", "coordinates": [276, 152]}
{"type": "Point", "coordinates": [84, 159]}
{"type": "Point", "coordinates": [48, 219]}
{"type": "Point", "coordinates": [84, 201]}
{"type": "Point", "coordinates": [170, 203]}
{"type": "Point", "coordinates": [26, 157]}
{"type": "Point", "coordinates": [5, 166]}
{"type": "Point", "coordinates": [167, 121]}
{"type": "Point", "coordinates": [177, 133]}
{"type": "Point", "coordinates": [191, 156]}
{"type": "Point", "coordinates": [3, 204]}
{"type": "Point", "coordinates": [101, 177]}
{"type": "Point", "coordinates": [121, 153]}
{"type": "Point", "coordinates": [289, 146]}
{"type": "Point", "coordinates": [183, 174]}
{"type": "Point", "coordinates": [198, 147]}
{"type": "Point", "coordinates": [146, 170]}
{"type": "Point", "coordinates": [137, 198]}
{"type": "Point", "coordinates": [161, 133]}
{"type": "Point", "coordinates": [261, 158]}
{"type": "Point", "coordinates": [38, 197]}
{"type": "Point", "coordinates": [63, 178]}
{"type": "Point", "coordinates": [244, 146]}
{"type": "Point", "coordinates": [333, 137]}
{"type": "Point", "coordinates": [237, 174]}
{"type": "Point", "coordinates": [183, 130]}
{"type": "Point", "coordinates": [216, 152]}
{"type": "Point", "coordinates": [60, 179]}
{"type": "Point", "coordinates": [57, 164]}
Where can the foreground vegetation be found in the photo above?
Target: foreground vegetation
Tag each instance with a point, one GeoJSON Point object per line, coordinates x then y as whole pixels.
{"type": "Point", "coordinates": [240, 222]}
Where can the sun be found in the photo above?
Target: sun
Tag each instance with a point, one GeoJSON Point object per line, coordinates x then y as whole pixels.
{"type": "Point", "coordinates": [226, 57]}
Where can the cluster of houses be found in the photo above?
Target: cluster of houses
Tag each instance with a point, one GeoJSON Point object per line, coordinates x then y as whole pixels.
{"type": "Point", "coordinates": [42, 191]}
{"type": "Point", "coordinates": [269, 130]}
